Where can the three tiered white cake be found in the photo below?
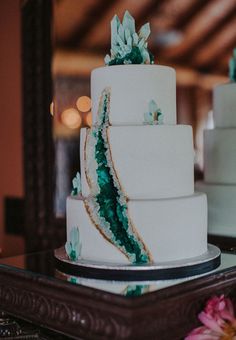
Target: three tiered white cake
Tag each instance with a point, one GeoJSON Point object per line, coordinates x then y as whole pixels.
{"type": "Point", "coordinates": [137, 202]}
{"type": "Point", "coordinates": [220, 159]}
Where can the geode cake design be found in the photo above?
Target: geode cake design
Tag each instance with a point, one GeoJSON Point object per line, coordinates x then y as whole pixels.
{"type": "Point", "coordinates": [137, 203]}
{"type": "Point", "coordinates": [107, 204]}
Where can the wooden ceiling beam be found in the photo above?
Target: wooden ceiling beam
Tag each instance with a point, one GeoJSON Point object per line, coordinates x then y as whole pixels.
{"type": "Point", "coordinates": [100, 34]}
{"type": "Point", "coordinates": [89, 20]}
{"type": "Point", "coordinates": [72, 63]}
{"type": "Point", "coordinates": [171, 13]}
{"type": "Point", "coordinates": [68, 16]}
{"type": "Point", "coordinates": [202, 24]}
{"type": "Point", "coordinates": [216, 47]}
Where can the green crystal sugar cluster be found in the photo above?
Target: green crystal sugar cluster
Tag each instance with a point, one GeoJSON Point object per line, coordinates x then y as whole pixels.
{"type": "Point", "coordinates": [76, 184]}
{"type": "Point", "coordinates": [73, 245]}
{"type": "Point", "coordinates": [154, 114]}
{"type": "Point", "coordinates": [127, 46]}
{"type": "Point", "coordinates": [112, 207]}
{"type": "Point", "coordinates": [232, 67]}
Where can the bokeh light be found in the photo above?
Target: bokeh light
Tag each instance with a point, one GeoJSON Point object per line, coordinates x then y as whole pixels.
{"type": "Point", "coordinates": [88, 119]}
{"type": "Point", "coordinates": [83, 103]}
{"type": "Point", "coordinates": [52, 108]}
{"type": "Point", "coordinates": [71, 118]}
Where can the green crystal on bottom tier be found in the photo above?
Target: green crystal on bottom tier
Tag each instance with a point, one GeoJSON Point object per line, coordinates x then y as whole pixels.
{"type": "Point", "coordinates": [73, 245]}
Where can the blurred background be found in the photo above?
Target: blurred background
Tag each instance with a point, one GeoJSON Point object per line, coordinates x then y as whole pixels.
{"type": "Point", "coordinates": [196, 37]}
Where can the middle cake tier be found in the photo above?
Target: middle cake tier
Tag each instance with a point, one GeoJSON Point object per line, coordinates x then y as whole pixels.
{"type": "Point", "coordinates": [150, 162]}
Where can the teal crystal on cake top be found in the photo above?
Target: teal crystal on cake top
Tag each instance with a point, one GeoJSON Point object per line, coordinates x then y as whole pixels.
{"type": "Point", "coordinates": [154, 115]}
{"type": "Point", "coordinates": [127, 46]}
{"type": "Point", "coordinates": [73, 245]}
{"type": "Point", "coordinates": [76, 183]}
{"type": "Point", "coordinates": [232, 67]}
{"type": "Point", "coordinates": [107, 204]}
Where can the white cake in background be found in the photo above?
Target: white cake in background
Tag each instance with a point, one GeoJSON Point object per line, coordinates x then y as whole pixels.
{"type": "Point", "coordinates": [224, 103]}
{"type": "Point", "coordinates": [220, 163]}
{"type": "Point", "coordinates": [137, 202]}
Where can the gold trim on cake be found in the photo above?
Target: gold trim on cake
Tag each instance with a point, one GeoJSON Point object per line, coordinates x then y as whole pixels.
{"type": "Point", "coordinates": [85, 160]}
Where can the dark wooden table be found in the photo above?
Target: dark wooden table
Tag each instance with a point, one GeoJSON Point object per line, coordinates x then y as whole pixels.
{"type": "Point", "coordinates": [32, 290]}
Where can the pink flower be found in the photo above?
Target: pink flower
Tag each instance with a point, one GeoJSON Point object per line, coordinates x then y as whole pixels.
{"type": "Point", "coordinates": [218, 321]}
{"type": "Point", "coordinates": [202, 333]}
{"type": "Point", "coordinates": [220, 306]}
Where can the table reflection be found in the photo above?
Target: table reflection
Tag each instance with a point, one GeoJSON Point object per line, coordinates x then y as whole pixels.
{"type": "Point", "coordinates": [43, 263]}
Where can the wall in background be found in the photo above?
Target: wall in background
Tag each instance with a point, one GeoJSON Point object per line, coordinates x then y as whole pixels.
{"type": "Point", "coordinates": [11, 153]}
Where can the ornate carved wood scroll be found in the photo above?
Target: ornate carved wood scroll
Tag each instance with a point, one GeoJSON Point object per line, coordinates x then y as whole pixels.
{"type": "Point", "coordinates": [87, 313]}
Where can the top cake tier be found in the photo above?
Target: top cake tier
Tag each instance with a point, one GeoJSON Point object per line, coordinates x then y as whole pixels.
{"type": "Point", "coordinates": [224, 105]}
{"type": "Point", "coordinates": [132, 89]}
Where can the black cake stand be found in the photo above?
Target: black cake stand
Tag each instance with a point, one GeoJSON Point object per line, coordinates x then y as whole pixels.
{"type": "Point", "coordinates": [141, 272]}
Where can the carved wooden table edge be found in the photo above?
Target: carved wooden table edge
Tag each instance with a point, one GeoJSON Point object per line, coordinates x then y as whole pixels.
{"type": "Point", "coordinates": [87, 313]}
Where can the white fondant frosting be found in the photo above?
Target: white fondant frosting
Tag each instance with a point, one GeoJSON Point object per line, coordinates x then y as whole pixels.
{"type": "Point", "coordinates": [149, 167]}
{"type": "Point", "coordinates": [221, 208]}
{"type": "Point", "coordinates": [94, 245]}
{"type": "Point", "coordinates": [172, 229]}
{"type": "Point", "coordinates": [224, 105]}
{"type": "Point", "coordinates": [220, 156]}
{"type": "Point", "coordinates": [151, 161]}
{"type": "Point", "coordinates": [132, 88]}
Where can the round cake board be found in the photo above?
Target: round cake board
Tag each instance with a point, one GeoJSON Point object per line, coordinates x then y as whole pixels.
{"type": "Point", "coordinates": [139, 272]}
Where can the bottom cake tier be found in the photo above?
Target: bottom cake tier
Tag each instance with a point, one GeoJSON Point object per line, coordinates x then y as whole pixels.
{"type": "Point", "coordinates": [221, 208]}
{"type": "Point", "coordinates": [171, 229]}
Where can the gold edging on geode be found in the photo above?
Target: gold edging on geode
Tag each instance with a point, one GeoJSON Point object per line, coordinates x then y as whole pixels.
{"type": "Point", "coordinates": [108, 89]}
{"type": "Point", "coordinates": [116, 179]}
{"type": "Point", "coordinates": [139, 237]}
{"type": "Point", "coordinates": [87, 208]}
{"type": "Point", "coordinates": [85, 160]}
